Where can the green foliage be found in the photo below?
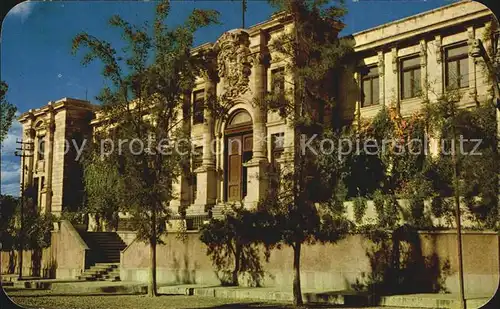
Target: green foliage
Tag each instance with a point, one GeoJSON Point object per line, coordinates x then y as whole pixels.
{"type": "Point", "coordinates": [104, 195]}
{"type": "Point", "coordinates": [8, 207]}
{"type": "Point", "coordinates": [38, 227]}
{"type": "Point", "coordinates": [8, 111]}
{"type": "Point", "coordinates": [359, 205]}
{"type": "Point", "coordinates": [315, 56]}
{"type": "Point", "coordinates": [36, 231]}
{"type": "Point", "coordinates": [477, 167]}
{"type": "Point", "coordinates": [75, 217]}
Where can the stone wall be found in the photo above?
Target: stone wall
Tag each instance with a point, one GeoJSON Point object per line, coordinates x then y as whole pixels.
{"type": "Point", "coordinates": [35, 263]}
{"type": "Point", "coordinates": [178, 262]}
{"type": "Point", "coordinates": [70, 251]}
{"type": "Point", "coordinates": [325, 267]}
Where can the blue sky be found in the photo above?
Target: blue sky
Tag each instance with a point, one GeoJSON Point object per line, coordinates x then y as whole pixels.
{"type": "Point", "coordinates": [36, 42]}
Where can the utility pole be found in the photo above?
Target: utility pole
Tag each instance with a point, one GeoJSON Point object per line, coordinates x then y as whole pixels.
{"type": "Point", "coordinates": [456, 193]}
{"type": "Point", "coordinates": [22, 154]}
{"type": "Point", "coordinates": [243, 11]}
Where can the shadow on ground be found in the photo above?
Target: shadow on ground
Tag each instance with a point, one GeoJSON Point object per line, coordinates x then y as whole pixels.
{"type": "Point", "coordinates": [263, 305]}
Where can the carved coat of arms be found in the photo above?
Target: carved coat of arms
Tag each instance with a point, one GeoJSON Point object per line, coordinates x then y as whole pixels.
{"type": "Point", "coordinates": [234, 62]}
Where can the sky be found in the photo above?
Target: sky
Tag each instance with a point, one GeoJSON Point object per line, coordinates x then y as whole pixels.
{"type": "Point", "coordinates": [37, 64]}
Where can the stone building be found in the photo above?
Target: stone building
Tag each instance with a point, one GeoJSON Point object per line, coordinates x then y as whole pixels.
{"type": "Point", "coordinates": [50, 170]}
{"type": "Point", "coordinates": [396, 63]}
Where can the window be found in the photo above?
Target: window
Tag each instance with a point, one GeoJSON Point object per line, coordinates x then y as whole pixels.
{"type": "Point", "coordinates": [278, 80]}
{"type": "Point", "coordinates": [41, 147]}
{"type": "Point", "coordinates": [198, 102]}
{"type": "Point", "coordinates": [457, 67]}
{"type": "Point", "coordinates": [197, 158]}
{"type": "Point", "coordinates": [410, 78]}
{"type": "Point", "coordinates": [34, 194]}
{"type": "Point", "coordinates": [277, 148]}
{"type": "Point", "coordinates": [370, 87]}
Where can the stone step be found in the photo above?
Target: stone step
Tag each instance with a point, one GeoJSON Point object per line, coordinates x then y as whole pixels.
{"type": "Point", "coordinates": [108, 264]}
{"type": "Point", "coordinates": [7, 283]}
{"type": "Point", "coordinates": [102, 268]}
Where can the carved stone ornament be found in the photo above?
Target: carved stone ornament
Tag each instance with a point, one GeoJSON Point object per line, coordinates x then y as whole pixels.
{"type": "Point", "coordinates": [380, 63]}
{"type": "Point", "coordinates": [394, 52]}
{"type": "Point", "coordinates": [234, 62]}
{"type": "Point", "coordinates": [29, 133]}
{"type": "Point", "coordinates": [439, 53]}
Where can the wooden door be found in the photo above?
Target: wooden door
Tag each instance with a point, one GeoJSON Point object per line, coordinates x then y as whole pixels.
{"type": "Point", "coordinates": [234, 164]}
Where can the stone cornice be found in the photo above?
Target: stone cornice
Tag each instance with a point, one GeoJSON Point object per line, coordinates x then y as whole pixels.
{"type": "Point", "coordinates": [395, 31]}
{"type": "Point", "coordinates": [64, 103]}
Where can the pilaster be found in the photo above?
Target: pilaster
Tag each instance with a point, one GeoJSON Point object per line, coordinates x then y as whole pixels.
{"type": "Point", "coordinates": [206, 193]}
{"type": "Point", "coordinates": [381, 74]}
{"type": "Point", "coordinates": [49, 158]}
{"type": "Point", "coordinates": [472, 65]}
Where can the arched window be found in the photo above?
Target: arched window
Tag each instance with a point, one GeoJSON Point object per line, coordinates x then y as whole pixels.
{"type": "Point", "coordinates": [41, 147]}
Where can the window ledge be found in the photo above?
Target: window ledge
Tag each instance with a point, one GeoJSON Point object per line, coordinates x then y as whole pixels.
{"type": "Point", "coordinates": [411, 100]}
{"type": "Point", "coordinates": [371, 107]}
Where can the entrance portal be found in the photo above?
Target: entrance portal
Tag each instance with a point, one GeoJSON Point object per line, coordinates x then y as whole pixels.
{"type": "Point", "coordinates": [239, 145]}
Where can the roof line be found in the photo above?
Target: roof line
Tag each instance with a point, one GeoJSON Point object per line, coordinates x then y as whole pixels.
{"type": "Point", "coordinates": [412, 16]}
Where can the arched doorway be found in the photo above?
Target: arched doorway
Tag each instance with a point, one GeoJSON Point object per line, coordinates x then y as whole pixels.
{"type": "Point", "coordinates": [238, 145]}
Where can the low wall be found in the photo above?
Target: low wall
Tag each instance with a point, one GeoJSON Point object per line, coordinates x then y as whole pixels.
{"type": "Point", "coordinates": [70, 251]}
{"type": "Point", "coordinates": [127, 236]}
{"type": "Point", "coordinates": [481, 259]}
{"type": "Point", "coordinates": [325, 267]}
{"type": "Point", "coordinates": [178, 262]}
{"type": "Point", "coordinates": [35, 263]}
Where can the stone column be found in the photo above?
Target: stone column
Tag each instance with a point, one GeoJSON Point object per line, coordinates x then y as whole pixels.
{"type": "Point", "coordinates": [257, 167]}
{"type": "Point", "coordinates": [206, 175]}
{"type": "Point", "coordinates": [28, 162]}
{"type": "Point", "coordinates": [181, 188]}
{"type": "Point", "coordinates": [438, 76]}
{"type": "Point", "coordinates": [395, 74]}
{"type": "Point", "coordinates": [423, 67]}
{"type": "Point", "coordinates": [357, 106]}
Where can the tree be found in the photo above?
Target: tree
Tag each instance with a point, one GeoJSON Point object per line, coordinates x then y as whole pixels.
{"type": "Point", "coordinates": [144, 105]}
{"type": "Point", "coordinates": [232, 241]}
{"type": "Point", "coordinates": [8, 207]}
{"type": "Point", "coordinates": [8, 111]}
{"type": "Point", "coordinates": [104, 195]}
{"type": "Point", "coordinates": [313, 55]}
{"type": "Point", "coordinates": [37, 229]}
{"type": "Point", "coordinates": [469, 162]}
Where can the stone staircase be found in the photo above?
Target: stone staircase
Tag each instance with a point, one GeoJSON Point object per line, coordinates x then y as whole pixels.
{"type": "Point", "coordinates": [102, 272]}
{"type": "Point", "coordinates": [103, 259]}
{"type": "Point", "coordinates": [105, 247]}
